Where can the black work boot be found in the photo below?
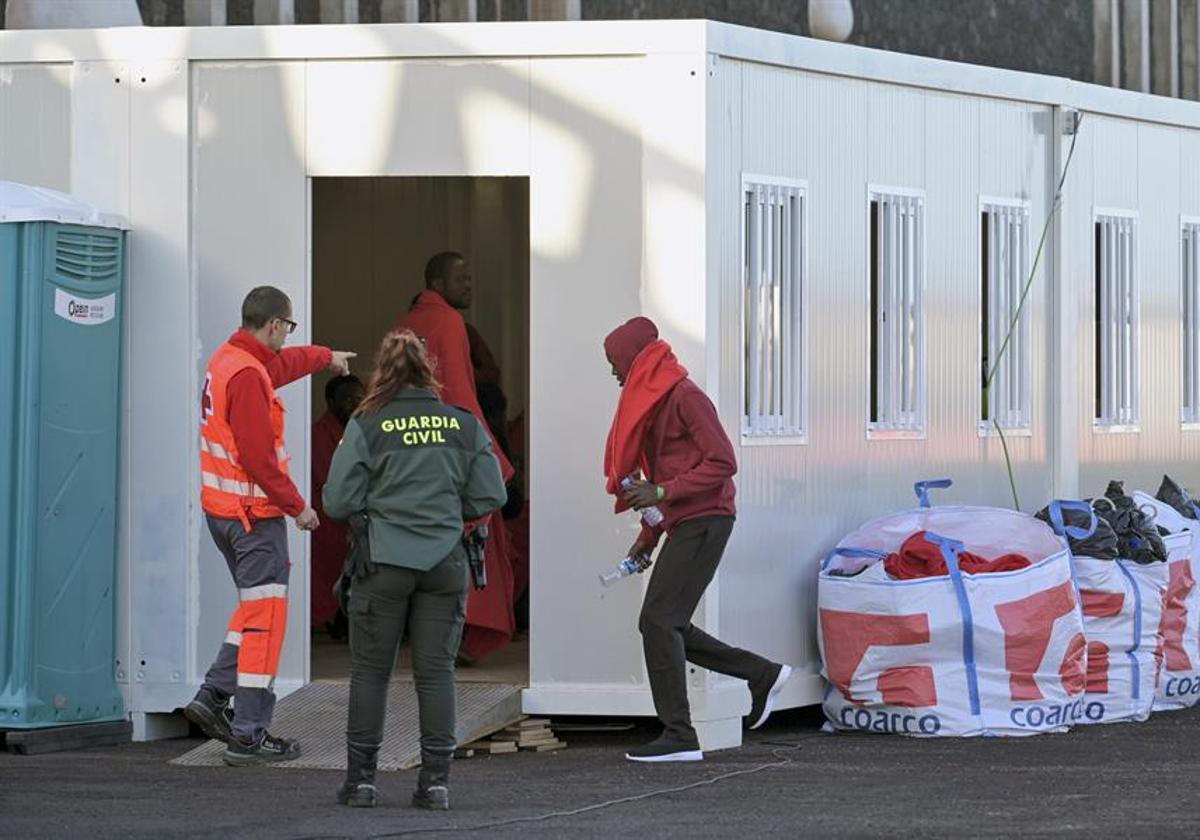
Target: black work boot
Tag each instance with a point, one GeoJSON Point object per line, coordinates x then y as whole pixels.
{"type": "Point", "coordinates": [433, 792]}
{"type": "Point", "coordinates": [358, 791]}
{"type": "Point", "coordinates": [210, 711]}
{"type": "Point", "coordinates": [266, 750]}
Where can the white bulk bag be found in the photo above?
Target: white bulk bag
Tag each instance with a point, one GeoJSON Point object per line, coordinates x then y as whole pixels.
{"type": "Point", "coordinates": [1000, 653]}
{"type": "Point", "coordinates": [1122, 606]}
{"type": "Point", "coordinates": [1179, 683]}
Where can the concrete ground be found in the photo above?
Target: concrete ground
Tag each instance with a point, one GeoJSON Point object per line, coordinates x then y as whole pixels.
{"type": "Point", "coordinates": [1128, 780]}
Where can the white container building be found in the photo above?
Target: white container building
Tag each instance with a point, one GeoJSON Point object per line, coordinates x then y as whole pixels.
{"type": "Point", "coordinates": [833, 239]}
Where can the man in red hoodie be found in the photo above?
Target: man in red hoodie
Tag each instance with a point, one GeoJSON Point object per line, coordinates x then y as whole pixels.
{"type": "Point", "coordinates": [436, 318]}
{"type": "Point", "coordinates": [246, 492]}
{"type": "Point", "coordinates": [666, 427]}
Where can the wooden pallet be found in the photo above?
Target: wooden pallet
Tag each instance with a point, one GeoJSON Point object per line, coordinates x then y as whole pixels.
{"type": "Point", "coordinates": [528, 734]}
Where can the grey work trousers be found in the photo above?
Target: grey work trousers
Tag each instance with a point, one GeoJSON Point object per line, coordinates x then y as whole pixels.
{"type": "Point", "coordinates": [258, 561]}
{"type": "Point", "coordinates": [682, 572]}
{"type": "Point", "coordinates": [432, 605]}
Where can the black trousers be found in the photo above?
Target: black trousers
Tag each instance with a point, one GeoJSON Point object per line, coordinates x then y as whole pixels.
{"type": "Point", "coordinates": [431, 605]}
{"type": "Point", "coordinates": [682, 572]}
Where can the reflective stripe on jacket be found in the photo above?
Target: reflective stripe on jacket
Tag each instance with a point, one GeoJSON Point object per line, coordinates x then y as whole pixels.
{"type": "Point", "coordinates": [227, 491]}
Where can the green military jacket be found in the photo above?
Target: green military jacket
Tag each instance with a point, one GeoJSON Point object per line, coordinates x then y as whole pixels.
{"type": "Point", "coordinates": [418, 468]}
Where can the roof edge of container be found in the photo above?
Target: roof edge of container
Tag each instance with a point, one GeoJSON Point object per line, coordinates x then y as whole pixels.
{"type": "Point", "coordinates": [776, 48]}
{"type": "Point", "coordinates": [500, 40]}
{"type": "Point", "coordinates": [513, 39]}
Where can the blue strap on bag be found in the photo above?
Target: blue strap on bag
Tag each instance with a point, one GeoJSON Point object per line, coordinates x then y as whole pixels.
{"type": "Point", "coordinates": [950, 550]}
{"type": "Point", "coordinates": [922, 488]}
{"type": "Point", "coordinates": [1073, 531]}
{"type": "Point", "coordinates": [1137, 630]}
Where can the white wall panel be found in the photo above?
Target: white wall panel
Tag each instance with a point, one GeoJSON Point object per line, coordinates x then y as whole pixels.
{"type": "Point", "coordinates": [100, 134]}
{"type": "Point", "coordinates": [896, 136]}
{"type": "Point", "coordinates": [1189, 172]}
{"type": "Point", "coordinates": [586, 226]}
{"type": "Point", "coordinates": [1014, 151]}
{"type": "Point", "coordinates": [1114, 167]}
{"type": "Point", "coordinates": [795, 502]}
{"type": "Point", "coordinates": [418, 117]}
{"type": "Point", "coordinates": [159, 493]}
{"type": "Point", "coordinates": [249, 219]}
{"type": "Point", "coordinates": [1149, 170]}
{"type": "Point", "coordinates": [35, 124]}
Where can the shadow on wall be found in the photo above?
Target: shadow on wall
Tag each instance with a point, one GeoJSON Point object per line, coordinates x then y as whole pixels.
{"type": "Point", "coordinates": [604, 149]}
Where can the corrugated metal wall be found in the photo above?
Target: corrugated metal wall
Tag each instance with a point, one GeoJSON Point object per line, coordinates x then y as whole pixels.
{"type": "Point", "coordinates": [1151, 170]}
{"type": "Point", "coordinates": [841, 135]}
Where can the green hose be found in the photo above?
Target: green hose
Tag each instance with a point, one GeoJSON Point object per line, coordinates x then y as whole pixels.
{"type": "Point", "coordinates": [1037, 258]}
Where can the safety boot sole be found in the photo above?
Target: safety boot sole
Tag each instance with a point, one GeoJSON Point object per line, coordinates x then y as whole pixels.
{"type": "Point", "coordinates": [212, 723]}
{"type": "Point", "coordinates": [435, 798]}
{"type": "Point", "coordinates": [241, 759]}
{"type": "Point", "coordinates": [357, 796]}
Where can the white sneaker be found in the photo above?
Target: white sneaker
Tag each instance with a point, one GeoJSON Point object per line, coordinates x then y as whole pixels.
{"type": "Point", "coordinates": [666, 749]}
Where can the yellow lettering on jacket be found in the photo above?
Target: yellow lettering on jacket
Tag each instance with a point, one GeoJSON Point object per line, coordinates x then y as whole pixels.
{"type": "Point", "coordinates": [413, 427]}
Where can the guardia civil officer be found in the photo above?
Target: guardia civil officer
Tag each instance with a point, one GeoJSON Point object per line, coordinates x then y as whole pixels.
{"type": "Point", "coordinates": [417, 468]}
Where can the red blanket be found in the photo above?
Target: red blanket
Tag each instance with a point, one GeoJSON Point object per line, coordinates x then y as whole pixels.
{"type": "Point", "coordinates": [920, 558]}
{"type": "Point", "coordinates": [654, 372]}
{"type": "Point", "coordinates": [329, 540]}
{"type": "Point", "coordinates": [489, 622]}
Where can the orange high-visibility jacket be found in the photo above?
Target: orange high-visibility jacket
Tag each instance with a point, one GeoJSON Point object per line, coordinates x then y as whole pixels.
{"type": "Point", "coordinates": [227, 491]}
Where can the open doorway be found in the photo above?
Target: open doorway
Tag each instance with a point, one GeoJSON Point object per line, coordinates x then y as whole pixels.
{"type": "Point", "coordinates": [371, 238]}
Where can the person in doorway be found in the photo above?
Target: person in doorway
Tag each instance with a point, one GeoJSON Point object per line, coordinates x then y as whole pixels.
{"type": "Point", "coordinates": [342, 396]}
{"type": "Point", "coordinates": [246, 492]}
{"type": "Point", "coordinates": [666, 426]}
{"type": "Point", "coordinates": [436, 319]}
{"type": "Point", "coordinates": [417, 468]}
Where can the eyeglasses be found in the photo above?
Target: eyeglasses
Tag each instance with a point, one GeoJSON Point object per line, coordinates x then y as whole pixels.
{"type": "Point", "coordinates": [290, 323]}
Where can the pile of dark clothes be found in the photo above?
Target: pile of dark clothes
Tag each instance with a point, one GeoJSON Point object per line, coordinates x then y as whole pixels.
{"type": "Point", "coordinates": [1178, 498]}
{"type": "Point", "coordinates": [1122, 529]}
{"type": "Point", "coordinates": [920, 558]}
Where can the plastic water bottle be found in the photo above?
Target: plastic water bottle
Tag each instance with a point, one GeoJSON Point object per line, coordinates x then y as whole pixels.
{"type": "Point", "coordinates": [627, 567]}
{"type": "Point", "coordinates": [652, 516]}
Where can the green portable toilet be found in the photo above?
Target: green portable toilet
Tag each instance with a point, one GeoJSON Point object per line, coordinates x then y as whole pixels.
{"type": "Point", "coordinates": [62, 270]}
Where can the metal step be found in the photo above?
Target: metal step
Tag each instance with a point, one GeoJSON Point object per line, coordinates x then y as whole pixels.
{"type": "Point", "coordinates": [316, 716]}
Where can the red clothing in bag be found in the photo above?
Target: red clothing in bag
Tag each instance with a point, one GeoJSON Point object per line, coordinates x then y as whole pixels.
{"type": "Point", "coordinates": [920, 558]}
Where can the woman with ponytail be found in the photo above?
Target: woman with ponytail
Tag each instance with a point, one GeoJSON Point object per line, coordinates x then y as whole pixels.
{"type": "Point", "coordinates": [417, 468]}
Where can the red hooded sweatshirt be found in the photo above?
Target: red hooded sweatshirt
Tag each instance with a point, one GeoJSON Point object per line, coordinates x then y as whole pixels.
{"type": "Point", "coordinates": [679, 443]}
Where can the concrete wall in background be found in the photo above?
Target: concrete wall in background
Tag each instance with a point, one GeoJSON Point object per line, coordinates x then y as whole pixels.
{"type": "Point", "coordinates": [1041, 36]}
